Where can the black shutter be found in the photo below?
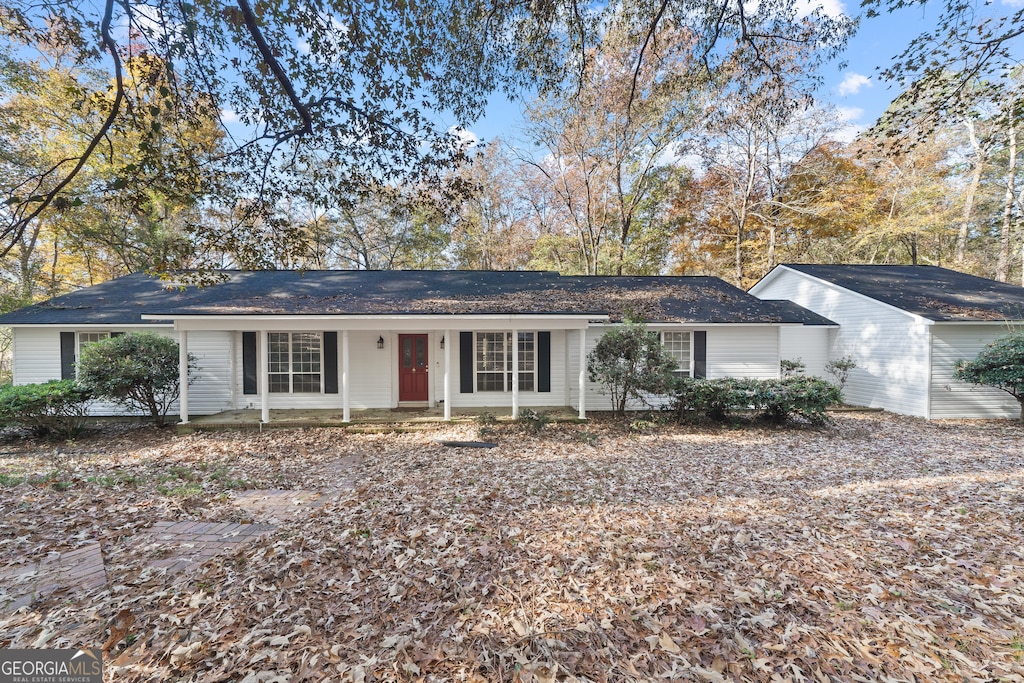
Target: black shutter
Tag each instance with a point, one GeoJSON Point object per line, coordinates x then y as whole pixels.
{"type": "Point", "coordinates": [700, 354]}
{"type": "Point", "coordinates": [67, 355]}
{"type": "Point", "coordinates": [544, 361]}
{"type": "Point", "coordinates": [330, 362]}
{"type": "Point", "coordinates": [249, 385]}
{"type": "Point", "coordinates": [465, 362]}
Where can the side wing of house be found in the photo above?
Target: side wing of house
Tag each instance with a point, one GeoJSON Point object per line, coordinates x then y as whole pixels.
{"type": "Point", "coordinates": [45, 352]}
{"type": "Point", "coordinates": [952, 399]}
{"type": "Point", "coordinates": [890, 346]}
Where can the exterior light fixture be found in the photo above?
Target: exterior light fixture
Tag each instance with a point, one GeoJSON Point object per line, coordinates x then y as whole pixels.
{"type": "Point", "coordinates": [442, 341]}
{"type": "Point", "coordinates": [380, 342]}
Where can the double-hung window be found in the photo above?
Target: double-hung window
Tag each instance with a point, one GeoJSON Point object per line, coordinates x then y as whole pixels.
{"type": "Point", "coordinates": [86, 338]}
{"type": "Point", "coordinates": [677, 345]}
{"type": "Point", "coordinates": [294, 362]}
{"type": "Point", "coordinates": [494, 361]}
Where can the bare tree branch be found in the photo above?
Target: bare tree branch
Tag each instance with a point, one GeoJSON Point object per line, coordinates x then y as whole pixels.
{"type": "Point", "coordinates": [271, 61]}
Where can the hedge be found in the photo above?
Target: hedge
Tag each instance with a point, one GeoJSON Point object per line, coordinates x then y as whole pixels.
{"type": "Point", "coordinates": [57, 407]}
{"type": "Point", "coordinates": [774, 400]}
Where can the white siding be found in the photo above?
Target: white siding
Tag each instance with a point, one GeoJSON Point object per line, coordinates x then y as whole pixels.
{"type": "Point", "coordinates": [808, 344]}
{"type": "Point", "coordinates": [36, 354]}
{"type": "Point", "coordinates": [951, 399]}
{"type": "Point", "coordinates": [210, 390]}
{"type": "Point", "coordinates": [890, 347]}
{"type": "Point", "coordinates": [741, 351]}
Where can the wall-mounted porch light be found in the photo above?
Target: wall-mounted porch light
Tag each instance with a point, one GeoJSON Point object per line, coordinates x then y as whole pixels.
{"type": "Point", "coordinates": [380, 342]}
{"type": "Point", "coordinates": [442, 341]}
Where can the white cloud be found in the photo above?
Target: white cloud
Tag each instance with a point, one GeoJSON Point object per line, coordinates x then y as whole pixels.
{"type": "Point", "coordinates": [853, 82]}
{"type": "Point", "coordinates": [467, 137]}
{"type": "Point", "coordinates": [830, 8]}
{"type": "Point", "coordinates": [228, 116]}
{"type": "Point", "coordinates": [848, 114]}
{"type": "Point", "coordinates": [1014, 3]}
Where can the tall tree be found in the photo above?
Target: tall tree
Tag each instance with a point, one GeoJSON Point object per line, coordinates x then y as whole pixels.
{"type": "Point", "coordinates": [492, 231]}
{"type": "Point", "coordinates": [606, 142]}
{"type": "Point", "coordinates": [755, 133]}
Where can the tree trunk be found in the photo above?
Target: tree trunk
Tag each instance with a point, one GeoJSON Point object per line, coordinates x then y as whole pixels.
{"type": "Point", "coordinates": [1003, 268]}
{"type": "Point", "coordinates": [972, 190]}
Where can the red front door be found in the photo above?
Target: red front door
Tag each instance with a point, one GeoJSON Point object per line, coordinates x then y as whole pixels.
{"type": "Point", "coordinates": [412, 367]}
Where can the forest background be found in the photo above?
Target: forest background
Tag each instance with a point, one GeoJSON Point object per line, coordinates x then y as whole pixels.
{"type": "Point", "coordinates": [669, 136]}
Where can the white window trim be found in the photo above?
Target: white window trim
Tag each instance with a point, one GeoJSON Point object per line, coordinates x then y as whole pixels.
{"type": "Point", "coordinates": [507, 371]}
{"type": "Point", "coordinates": [689, 333]}
{"type": "Point", "coordinates": [291, 366]}
{"type": "Point", "coordinates": [103, 334]}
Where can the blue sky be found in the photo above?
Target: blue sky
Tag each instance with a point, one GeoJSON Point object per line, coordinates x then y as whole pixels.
{"type": "Point", "coordinates": [855, 89]}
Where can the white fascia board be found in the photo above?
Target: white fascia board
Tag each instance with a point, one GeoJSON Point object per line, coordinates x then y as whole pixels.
{"type": "Point", "coordinates": [90, 326]}
{"type": "Point", "coordinates": [370, 322]}
{"type": "Point", "coordinates": [700, 325]}
{"type": "Point", "coordinates": [763, 282]}
{"type": "Point", "coordinates": [1001, 323]}
{"type": "Point", "coordinates": [770, 276]}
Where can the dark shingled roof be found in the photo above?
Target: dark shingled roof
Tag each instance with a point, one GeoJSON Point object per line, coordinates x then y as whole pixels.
{"type": "Point", "coordinates": [928, 291]}
{"type": "Point", "coordinates": [340, 292]}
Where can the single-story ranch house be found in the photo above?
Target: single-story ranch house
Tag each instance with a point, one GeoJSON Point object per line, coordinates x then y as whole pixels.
{"type": "Point", "coordinates": [906, 327]}
{"type": "Point", "coordinates": [349, 340]}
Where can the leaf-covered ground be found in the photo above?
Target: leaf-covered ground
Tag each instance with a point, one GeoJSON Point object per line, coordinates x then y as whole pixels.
{"type": "Point", "coordinates": [884, 548]}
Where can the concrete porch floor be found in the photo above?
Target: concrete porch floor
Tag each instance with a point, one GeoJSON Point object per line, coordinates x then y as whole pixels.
{"type": "Point", "coordinates": [330, 417]}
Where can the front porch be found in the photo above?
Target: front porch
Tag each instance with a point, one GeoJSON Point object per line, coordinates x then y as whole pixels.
{"type": "Point", "coordinates": [359, 419]}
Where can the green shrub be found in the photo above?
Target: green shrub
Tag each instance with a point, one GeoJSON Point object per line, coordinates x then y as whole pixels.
{"type": "Point", "coordinates": [775, 400]}
{"type": "Point", "coordinates": [137, 370]}
{"type": "Point", "coordinates": [1000, 365]}
{"type": "Point", "coordinates": [533, 420]}
{"type": "Point", "coordinates": [58, 407]}
{"type": "Point", "coordinates": [840, 370]}
{"type": "Point", "coordinates": [711, 398]}
{"type": "Point", "coordinates": [778, 400]}
{"type": "Point", "coordinates": [791, 367]}
{"type": "Point", "coordinates": [631, 363]}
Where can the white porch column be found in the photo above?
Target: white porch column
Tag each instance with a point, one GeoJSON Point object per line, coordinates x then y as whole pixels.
{"type": "Point", "coordinates": [515, 374]}
{"type": "Point", "coordinates": [447, 374]}
{"type": "Point", "coordinates": [346, 411]}
{"type": "Point", "coordinates": [261, 351]}
{"type": "Point", "coordinates": [583, 374]}
{"type": "Point", "coordinates": [183, 376]}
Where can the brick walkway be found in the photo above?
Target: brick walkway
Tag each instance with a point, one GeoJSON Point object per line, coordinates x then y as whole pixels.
{"type": "Point", "coordinates": [177, 546]}
{"type": "Point", "coordinates": [79, 569]}
{"type": "Point", "coordinates": [278, 505]}
{"type": "Point", "coordinates": [189, 544]}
